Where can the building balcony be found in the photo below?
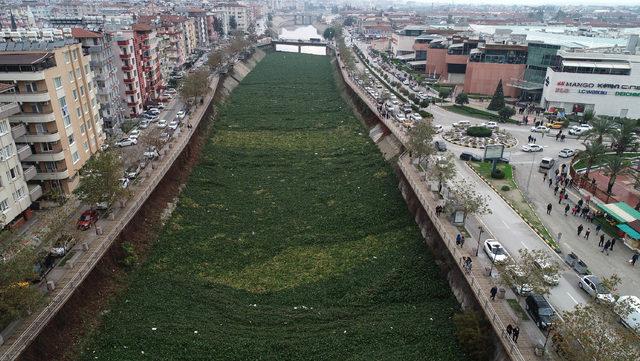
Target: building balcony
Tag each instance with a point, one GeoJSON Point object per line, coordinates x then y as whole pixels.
{"type": "Point", "coordinates": [29, 172]}
{"type": "Point", "coordinates": [18, 131]}
{"type": "Point", "coordinates": [130, 92]}
{"type": "Point", "coordinates": [39, 138]}
{"type": "Point", "coordinates": [129, 80]}
{"type": "Point", "coordinates": [35, 192]}
{"type": "Point", "coordinates": [24, 151]}
{"type": "Point", "coordinates": [47, 157]}
{"type": "Point", "coordinates": [127, 67]}
{"type": "Point", "coordinates": [126, 56]}
{"type": "Point", "coordinates": [8, 109]}
{"type": "Point", "coordinates": [25, 97]}
{"type": "Point", "coordinates": [33, 118]}
{"type": "Point", "coordinates": [53, 175]}
{"type": "Point", "coordinates": [123, 42]}
{"type": "Point", "coordinates": [23, 76]}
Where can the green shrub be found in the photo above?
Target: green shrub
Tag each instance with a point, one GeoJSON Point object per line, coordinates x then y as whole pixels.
{"type": "Point", "coordinates": [505, 188]}
{"type": "Point", "coordinates": [478, 131]}
{"type": "Point", "coordinates": [425, 114]}
{"type": "Point", "coordinates": [497, 174]}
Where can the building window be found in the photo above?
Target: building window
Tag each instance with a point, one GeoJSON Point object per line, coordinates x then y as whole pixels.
{"type": "Point", "coordinates": [36, 108]}
{"type": "Point", "coordinates": [12, 173]}
{"type": "Point", "coordinates": [83, 128]}
{"type": "Point", "coordinates": [88, 125]}
{"type": "Point", "coordinates": [76, 157]}
{"type": "Point", "coordinates": [7, 151]}
{"type": "Point", "coordinates": [57, 81]}
{"type": "Point", "coordinates": [4, 128]}
{"type": "Point", "coordinates": [71, 79]}
{"type": "Point", "coordinates": [19, 194]}
{"type": "Point", "coordinates": [86, 68]}
{"type": "Point", "coordinates": [66, 56]}
{"type": "Point", "coordinates": [47, 147]}
{"type": "Point", "coordinates": [82, 90]}
{"type": "Point", "coordinates": [31, 87]}
{"type": "Point", "coordinates": [78, 74]}
{"type": "Point", "coordinates": [75, 94]}
{"type": "Point", "coordinates": [79, 112]}
{"type": "Point", "coordinates": [70, 139]}
{"type": "Point", "coordinates": [85, 145]}
{"type": "Point", "coordinates": [65, 112]}
{"type": "Point", "coordinates": [74, 53]}
{"type": "Point", "coordinates": [4, 205]}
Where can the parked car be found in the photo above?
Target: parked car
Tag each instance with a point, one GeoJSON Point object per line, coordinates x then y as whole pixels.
{"type": "Point", "coordinates": [462, 123]}
{"type": "Point", "coordinates": [470, 156]}
{"type": "Point", "coordinates": [543, 264]}
{"type": "Point", "coordinates": [531, 148]}
{"type": "Point", "coordinates": [490, 125]}
{"type": "Point", "coordinates": [126, 142]}
{"type": "Point", "coordinates": [87, 218]}
{"type": "Point", "coordinates": [593, 286]}
{"type": "Point", "coordinates": [540, 129]}
{"type": "Point", "coordinates": [389, 107]}
{"type": "Point", "coordinates": [400, 117]}
{"type": "Point", "coordinates": [518, 276]}
{"type": "Point", "coordinates": [407, 108]}
{"type": "Point", "coordinates": [133, 171]}
{"type": "Point", "coordinates": [134, 134]}
{"type": "Point", "coordinates": [173, 125]}
{"type": "Point", "coordinates": [566, 153]}
{"type": "Point", "coordinates": [438, 127]}
{"type": "Point", "coordinates": [62, 245]}
{"type": "Point", "coordinates": [495, 251]}
{"type": "Point", "coordinates": [415, 117]}
{"type": "Point", "coordinates": [181, 114]}
{"type": "Point", "coordinates": [162, 123]}
{"type": "Point", "coordinates": [440, 145]}
{"type": "Point", "coordinates": [579, 129]}
{"type": "Point", "coordinates": [124, 182]}
{"type": "Point", "coordinates": [628, 309]}
{"type": "Point", "coordinates": [151, 153]}
{"type": "Point", "coordinates": [144, 124]}
{"type": "Point", "coordinates": [547, 163]}
{"type": "Point", "coordinates": [154, 111]}
{"type": "Point", "coordinates": [555, 125]}
{"type": "Point", "coordinates": [164, 136]}
{"type": "Point", "coordinates": [540, 310]}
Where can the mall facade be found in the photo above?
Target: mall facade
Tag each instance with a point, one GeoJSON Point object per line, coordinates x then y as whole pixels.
{"type": "Point", "coordinates": [604, 83]}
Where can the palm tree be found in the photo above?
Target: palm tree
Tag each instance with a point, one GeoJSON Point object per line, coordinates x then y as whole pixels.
{"type": "Point", "coordinates": [624, 136]}
{"type": "Point", "coordinates": [616, 166]}
{"type": "Point", "coordinates": [592, 153]}
{"type": "Point", "coordinates": [601, 127]}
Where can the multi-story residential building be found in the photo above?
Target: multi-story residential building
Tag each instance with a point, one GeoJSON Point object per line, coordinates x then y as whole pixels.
{"type": "Point", "coordinates": [15, 195]}
{"type": "Point", "coordinates": [103, 66]}
{"type": "Point", "coordinates": [145, 43]}
{"type": "Point", "coordinates": [59, 112]}
{"type": "Point", "coordinates": [201, 24]}
{"type": "Point", "coordinates": [131, 86]}
{"type": "Point", "coordinates": [234, 12]}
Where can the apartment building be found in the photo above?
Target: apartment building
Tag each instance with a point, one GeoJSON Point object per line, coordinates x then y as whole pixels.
{"type": "Point", "coordinates": [201, 24]}
{"type": "Point", "coordinates": [145, 44]}
{"type": "Point", "coordinates": [128, 75]}
{"type": "Point", "coordinates": [59, 117]}
{"type": "Point", "coordinates": [234, 12]}
{"type": "Point", "coordinates": [103, 66]}
{"type": "Point", "coordinates": [15, 195]}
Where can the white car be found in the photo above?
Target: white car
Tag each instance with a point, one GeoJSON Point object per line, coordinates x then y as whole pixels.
{"type": "Point", "coordinates": [495, 251]}
{"type": "Point", "coordinates": [126, 142]}
{"type": "Point", "coordinates": [594, 286]}
{"type": "Point", "coordinates": [400, 117]}
{"type": "Point", "coordinates": [566, 153]}
{"type": "Point", "coordinates": [531, 148]}
{"type": "Point", "coordinates": [579, 129]}
{"type": "Point", "coordinates": [389, 107]}
{"type": "Point", "coordinates": [144, 124]}
{"type": "Point", "coordinates": [415, 117]}
{"type": "Point", "coordinates": [462, 123]}
{"type": "Point", "coordinates": [490, 125]}
{"type": "Point", "coordinates": [181, 114]}
{"type": "Point", "coordinates": [162, 123]}
{"type": "Point", "coordinates": [628, 308]}
{"type": "Point", "coordinates": [134, 134]}
{"type": "Point", "coordinates": [151, 153]}
{"type": "Point", "coordinates": [124, 182]}
{"type": "Point", "coordinates": [170, 91]}
{"type": "Point", "coordinates": [540, 129]}
{"type": "Point", "coordinates": [154, 111]}
{"type": "Point", "coordinates": [173, 125]}
{"type": "Point", "coordinates": [438, 127]}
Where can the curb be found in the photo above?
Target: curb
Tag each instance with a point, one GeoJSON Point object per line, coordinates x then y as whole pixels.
{"type": "Point", "coordinates": [539, 234]}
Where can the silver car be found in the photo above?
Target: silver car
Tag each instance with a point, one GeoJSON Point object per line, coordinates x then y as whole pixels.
{"type": "Point", "coordinates": [593, 285]}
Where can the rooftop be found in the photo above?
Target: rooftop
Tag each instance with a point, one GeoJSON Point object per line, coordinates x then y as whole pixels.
{"type": "Point", "coordinates": [24, 58]}
{"type": "Point", "coordinates": [84, 33]}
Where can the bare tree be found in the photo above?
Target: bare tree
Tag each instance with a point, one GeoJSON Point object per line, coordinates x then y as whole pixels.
{"type": "Point", "coordinates": [420, 144]}
{"type": "Point", "coordinates": [215, 59]}
{"type": "Point", "coordinates": [194, 85]}
{"type": "Point", "coordinates": [463, 197]}
{"type": "Point", "coordinates": [442, 169]}
{"type": "Point", "coordinates": [534, 271]}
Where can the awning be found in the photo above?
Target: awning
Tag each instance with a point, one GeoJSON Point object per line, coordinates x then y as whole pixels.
{"type": "Point", "coordinates": [417, 62]}
{"type": "Point", "coordinates": [595, 64]}
{"type": "Point", "coordinates": [629, 231]}
{"type": "Point", "coordinates": [410, 56]}
{"type": "Point", "coordinates": [621, 211]}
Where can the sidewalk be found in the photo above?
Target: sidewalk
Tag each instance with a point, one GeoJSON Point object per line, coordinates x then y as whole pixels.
{"type": "Point", "coordinates": [91, 248]}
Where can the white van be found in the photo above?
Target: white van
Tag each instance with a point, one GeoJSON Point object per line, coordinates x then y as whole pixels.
{"type": "Point", "coordinates": [628, 308]}
{"type": "Point", "coordinates": [547, 163]}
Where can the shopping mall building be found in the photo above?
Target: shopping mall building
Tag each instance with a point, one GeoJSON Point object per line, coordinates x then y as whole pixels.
{"type": "Point", "coordinates": [605, 83]}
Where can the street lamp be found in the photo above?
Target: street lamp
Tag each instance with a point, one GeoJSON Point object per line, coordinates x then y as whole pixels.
{"type": "Point", "coordinates": [533, 162]}
{"type": "Point", "coordinates": [493, 252]}
{"type": "Point", "coordinates": [480, 230]}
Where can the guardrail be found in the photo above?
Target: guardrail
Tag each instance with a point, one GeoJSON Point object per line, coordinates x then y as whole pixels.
{"type": "Point", "coordinates": [86, 264]}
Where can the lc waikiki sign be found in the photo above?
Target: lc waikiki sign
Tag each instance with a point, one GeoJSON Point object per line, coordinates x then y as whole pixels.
{"type": "Point", "coordinates": [621, 90]}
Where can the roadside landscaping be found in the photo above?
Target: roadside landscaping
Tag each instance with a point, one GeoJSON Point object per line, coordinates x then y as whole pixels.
{"type": "Point", "coordinates": [507, 188]}
{"type": "Point", "coordinates": [289, 241]}
{"type": "Point", "coordinates": [475, 113]}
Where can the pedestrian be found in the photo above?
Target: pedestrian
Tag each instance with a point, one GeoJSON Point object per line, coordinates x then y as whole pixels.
{"type": "Point", "coordinates": [584, 213]}
{"type": "Point", "coordinates": [587, 233]}
{"type": "Point", "coordinates": [566, 181]}
{"type": "Point", "coordinates": [494, 291]}
{"type": "Point", "coordinates": [462, 241]}
{"type": "Point", "coordinates": [560, 199]}
{"type": "Point", "coordinates": [534, 140]}
{"type": "Point", "coordinates": [557, 172]}
{"type": "Point", "coordinates": [598, 228]}
{"type": "Point", "coordinates": [509, 329]}
{"type": "Point", "coordinates": [562, 138]}
{"type": "Point", "coordinates": [549, 206]}
{"type": "Point", "coordinates": [516, 333]}
{"type": "Point", "coordinates": [613, 241]}
{"type": "Point", "coordinates": [601, 243]}
{"type": "Point", "coordinates": [566, 208]}
{"type": "Point", "coordinates": [566, 196]}
{"type": "Point", "coordinates": [580, 228]}
{"type": "Point", "coordinates": [544, 177]}
{"type": "Point", "coordinates": [607, 244]}
{"type": "Point", "coordinates": [574, 210]}
{"type": "Point", "coordinates": [458, 239]}
{"type": "Point", "coordinates": [557, 136]}
{"type": "Point", "coordinates": [580, 202]}
{"type": "Point", "coordinates": [555, 189]}
{"type": "Point", "coordinates": [550, 181]}
{"type": "Point", "coordinates": [634, 258]}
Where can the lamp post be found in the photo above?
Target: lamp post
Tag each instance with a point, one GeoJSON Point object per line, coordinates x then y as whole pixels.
{"type": "Point", "coordinates": [480, 230]}
{"type": "Point", "coordinates": [493, 251]}
{"type": "Point", "coordinates": [533, 162]}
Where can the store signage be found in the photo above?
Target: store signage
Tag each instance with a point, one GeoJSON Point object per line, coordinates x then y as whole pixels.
{"type": "Point", "coordinates": [597, 88]}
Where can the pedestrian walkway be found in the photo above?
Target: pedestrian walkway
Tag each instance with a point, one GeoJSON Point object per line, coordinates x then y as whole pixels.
{"type": "Point", "coordinates": [92, 248]}
{"type": "Point", "coordinates": [497, 311]}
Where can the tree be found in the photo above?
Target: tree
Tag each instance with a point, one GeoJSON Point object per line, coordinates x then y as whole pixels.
{"type": "Point", "coordinates": [217, 26]}
{"type": "Point", "coordinates": [462, 99]}
{"type": "Point", "coordinates": [233, 24]}
{"type": "Point", "coordinates": [534, 268]}
{"type": "Point", "coordinates": [588, 116]}
{"type": "Point", "coordinates": [506, 113]}
{"type": "Point", "coordinates": [420, 143]}
{"type": "Point", "coordinates": [194, 85]}
{"type": "Point", "coordinates": [269, 17]}
{"type": "Point", "coordinates": [623, 136]}
{"type": "Point", "coordinates": [497, 101]}
{"type": "Point", "coordinates": [215, 59]}
{"type": "Point", "coordinates": [474, 333]}
{"type": "Point", "coordinates": [17, 296]}
{"type": "Point", "coordinates": [463, 197]}
{"type": "Point", "coordinates": [329, 33]}
{"type": "Point", "coordinates": [100, 179]}
{"type": "Point", "coordinates": [348, 21]}
{"type": "Point", "coordinates": [615, 166]}
{"type": "Point", "coordinates": [444, 93]}
{"type": "Point", "coordinates": [601, 127]}
{"type": "Point", "coordinates": [592, 153]}
{"type": "Point", "coordinates": [443, 168]}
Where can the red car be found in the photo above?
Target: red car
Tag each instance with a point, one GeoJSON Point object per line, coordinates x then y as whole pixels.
{"type": "Point", "coordinates": [87, 218]}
